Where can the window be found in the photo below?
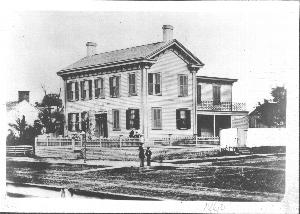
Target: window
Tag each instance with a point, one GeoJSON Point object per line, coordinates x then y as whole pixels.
{"type": "Point", "coordinates": [131, 83]}
{"type": "Point", "coordinates": [183, 119]}
{"type": "Point", "coordinates": [156, 118]}
{"type": "Point", "coordinates": [132, 119]}
{"type": "Point", "coordinates": [216, 95]}
{"type": "Point", "coordinates": [183, 85]}
{"type": "Point", "coordinates": [70, 93]}
{"type": "Point", "coordinates": [114, 83]}
{"type": "Point", "coordinates": [83, 90]}
{"type": "Point", "coordinates": [90, 89]}
{"type": "Point", "coordinates": [73, 122]}
{"type": "Point", "coordinates": [116, 119]}
{"type": "Point", "coordinates": [76, 91]}
{"type": "Point", "coordinates": [198, 94]}
{"type": "Point", "coordinates": [85, 124]}
{"type": "Point", "coordinates": [99, 88]}
{"type": "Point", "coordinates": [154, 83]}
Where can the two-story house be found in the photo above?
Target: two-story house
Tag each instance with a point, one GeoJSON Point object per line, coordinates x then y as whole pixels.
{"type": "Point", "coordinates": [150, 88]}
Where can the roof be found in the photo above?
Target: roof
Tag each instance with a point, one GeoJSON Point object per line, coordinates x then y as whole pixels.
{"type": "Point", "coordinates": [216, 79]}
{"type": "Point", "coordinates": [128, 54]}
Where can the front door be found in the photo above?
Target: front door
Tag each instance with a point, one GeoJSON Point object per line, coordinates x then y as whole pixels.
{"type": "Point", "coordinates": [101, 125]}
{"type": "Point", "coordinates": [241, 137]}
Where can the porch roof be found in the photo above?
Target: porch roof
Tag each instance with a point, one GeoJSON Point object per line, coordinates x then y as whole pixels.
{"type": "Point", "coordinates": [215, 79]}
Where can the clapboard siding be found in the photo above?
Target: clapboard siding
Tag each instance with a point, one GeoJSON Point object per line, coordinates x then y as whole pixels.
{"type": "Point", "coordinates": [121, 103]}
{"type": "Point", "coordinates": [170, 65]}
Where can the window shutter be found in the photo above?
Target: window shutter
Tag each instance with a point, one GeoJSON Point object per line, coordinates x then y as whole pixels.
{"type": "Point", "coordinates": [188, 119]}
{"type": "Point", "coordinates": [150, 84]}
{"type": "Point", "coordinates": [178, 85]}
{"type": "Point", "coordinates": [82, 89]}
{"type": "Point", "coordinates": [157, 83]}
{"type": "Point", "coordinates": [90, 89]}
{"type": "Point", "coordinates": [96, 88]}
{"type": "Point", "coordinates": [186, 85]}
{"type": "Point", "coordinates": [69, 122]}
{"type": "Point", "coordinates": [69, 90]}
{"type": "Point", "coordinates": [117, 86]}
{"type": "Point", "coordinates": [178, 119]}
{"type": "Point", "coordinates": [76, 91]}
{"type": "Point", "coordinates": [198, 94]}
{"type": "Point", "coordinates": [111, 86]}
{"type": "Point", "coordinates": [77, 122]}
{"type": "Point", "coordinates": [137, 119]}
{"type": "Point", "coordinates": [127, 118]}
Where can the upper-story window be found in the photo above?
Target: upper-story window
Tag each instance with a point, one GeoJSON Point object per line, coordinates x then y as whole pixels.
{"type": "Point", "coordinates": [86, 89]}
{"type": "Point", "coordinates": [114, 85]}
{"type": "Point", "coordinates": [132, 119]}
{"type": "Point", "coordinates": [183, 85]}
{"type": "Point", "coordinates": [132, 84]}
{"type": "Point", "coordinates": [154, 83]}
{"type": "Point", "coordinates": [70, 91]}
{"type": "Point", "coordinates": [99, 88]}
{"type": "Point", "coordinates": [183, 119]}
{"type": "Point", "coordinates": [216, 94]}
{"type": "Point", "coordinates": [76, 91]}
{"type": "Point", "coordinates": [73, 122]}
{"type": "Point", "coordinates": [156, 118]}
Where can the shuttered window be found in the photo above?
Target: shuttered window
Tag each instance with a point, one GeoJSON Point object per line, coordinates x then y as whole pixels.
{"type": "Point", "coordinates": [99, 88]}
{"type": "Point", "coordinates": [70, 92]}
{"type": "Point", "coordinates": [114, 84]}
{"type": "Point", "coordinates": [132, 84]}
{"type": "Point", "coordinates": [198, 94]}
{"type": "Point", "coordinates": [116, 119]}
{"type": "Point", "coordinates": [216, 95]}
{"type": "Point", "coordinates": [132, 119]}
{"type": "Point", "coordinates": [183, 119]}
{"type": "Point", "coordinates": [85, 125]}
{"type": "Point", "coordinates": [73, 122]}
{"type": "Point", "coordinates": [154, 84]}
{"type": "Point", "coordinates": [156, 118]}
{"type": "Point", "coordinates": [183, 85]}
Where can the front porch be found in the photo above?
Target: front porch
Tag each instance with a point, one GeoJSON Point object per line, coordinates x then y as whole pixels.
{"type": "Point", "coordinates": [210, 125]}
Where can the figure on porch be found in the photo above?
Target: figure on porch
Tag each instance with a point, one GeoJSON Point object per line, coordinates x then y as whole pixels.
{"type": "Point", "coordinates": [131, 134]}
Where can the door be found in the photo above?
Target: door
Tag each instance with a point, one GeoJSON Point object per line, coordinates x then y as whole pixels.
{"type": "Point", "coordinates": [101, 125]}
{"type": "Point", "coordinates": [241, 137]}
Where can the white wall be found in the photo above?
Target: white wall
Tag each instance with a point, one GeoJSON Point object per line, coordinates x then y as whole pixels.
{"type": "Point", "coordinates": [255, 137]}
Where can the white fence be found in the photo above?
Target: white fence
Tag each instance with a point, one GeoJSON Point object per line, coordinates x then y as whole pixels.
{"type": "Point", "coordinates": [126, 142]}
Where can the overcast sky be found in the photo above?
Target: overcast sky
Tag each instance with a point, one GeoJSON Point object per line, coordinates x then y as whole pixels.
{"type": "Point", "coordinates": [259, 47]}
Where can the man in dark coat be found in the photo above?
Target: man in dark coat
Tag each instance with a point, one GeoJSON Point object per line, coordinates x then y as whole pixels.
{"type": "Point", "coordinates": [148, 155]}
{"type": "Point", "coordinates": [141, 155]}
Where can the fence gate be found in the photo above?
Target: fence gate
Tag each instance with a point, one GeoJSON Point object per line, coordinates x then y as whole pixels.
{"type": "Point", "coordinates": [241, 137]}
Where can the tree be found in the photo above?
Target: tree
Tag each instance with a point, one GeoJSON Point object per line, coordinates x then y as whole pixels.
{"type": "Point", "coordinates": [51, 115]}
{"type": "Point", "coordinates": [273, 114]}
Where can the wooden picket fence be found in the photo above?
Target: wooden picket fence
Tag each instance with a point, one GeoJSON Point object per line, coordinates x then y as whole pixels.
{"type": "Point", "coordinates": [120, 142]}
{"type": "Point", "coordinates": [21, 150]}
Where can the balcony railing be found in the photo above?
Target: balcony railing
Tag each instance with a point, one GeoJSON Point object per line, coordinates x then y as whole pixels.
{"type": "Point", "coordinates": [221, 106]}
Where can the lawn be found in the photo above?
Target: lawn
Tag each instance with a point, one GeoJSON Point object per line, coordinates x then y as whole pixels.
{"type": "Point", "coordinates": [252, 179]}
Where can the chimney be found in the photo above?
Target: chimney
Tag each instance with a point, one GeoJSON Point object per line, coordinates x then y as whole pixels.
{"type": "Point", "coordinates": [91, 48]}
{"type": "Point", "coordinates": [23, 95]}
{"type": "Point", "coordinates": [167, 32]}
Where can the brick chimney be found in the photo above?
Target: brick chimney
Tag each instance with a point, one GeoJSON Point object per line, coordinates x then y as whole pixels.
{"type": "Point", "coordinates": [91, 48]}
{"type": "Point", "coordinates": [167, 32]}
{"type": "Point", "coordinates": [23, 95]}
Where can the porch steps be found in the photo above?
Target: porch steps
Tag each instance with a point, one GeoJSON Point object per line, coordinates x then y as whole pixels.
{"type": "Point", "coordinates": [243, 150]}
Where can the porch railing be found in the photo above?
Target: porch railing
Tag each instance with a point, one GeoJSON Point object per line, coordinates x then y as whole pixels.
{"type": "Point", "coordinates": [126, 142]}
{"type": "Point", "coordinates": [221, 106]}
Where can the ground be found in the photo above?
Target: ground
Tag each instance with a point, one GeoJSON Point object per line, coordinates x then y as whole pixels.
{"type": "Point", "coordinates": [246, 178]}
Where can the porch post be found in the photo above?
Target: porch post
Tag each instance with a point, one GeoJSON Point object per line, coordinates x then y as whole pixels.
{"type": "Point", "coordinates": [214, 125]}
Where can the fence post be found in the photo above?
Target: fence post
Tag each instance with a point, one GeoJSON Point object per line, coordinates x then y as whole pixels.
{"type": "Point", "coordinates": [170, 143]}
{"type": "Point", "coordinates": [47, 140]}
{"type": "Point", "coordinates": [81, 143]}
{"type": "Point", "coordinates": [73, 144]}
{"type": "Point", "coordinates": [100, 142]}
{"type": "Point", "coordinates": [196, 136]}
{"type": "Point", "coordinates": [35, 144]}
{"type": "Point", "coordinates": [120, 141]}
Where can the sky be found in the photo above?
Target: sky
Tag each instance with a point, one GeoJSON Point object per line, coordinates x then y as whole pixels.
{"type": "Point", "coordinates": [259, 47]}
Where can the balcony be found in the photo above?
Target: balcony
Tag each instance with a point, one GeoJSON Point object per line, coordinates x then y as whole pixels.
{"type": "Point", "coordinates": [221, 106]}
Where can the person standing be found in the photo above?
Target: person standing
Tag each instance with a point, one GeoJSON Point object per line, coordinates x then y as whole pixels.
{"type": "Point", "coordinates": [141, 155]}
{"type": "Point", "coordinates": [148, 154]}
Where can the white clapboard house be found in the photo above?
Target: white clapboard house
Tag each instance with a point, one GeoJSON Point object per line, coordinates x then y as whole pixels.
{"type": "Point", "coordinates": [153, 89]}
